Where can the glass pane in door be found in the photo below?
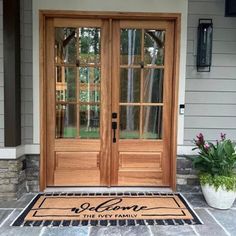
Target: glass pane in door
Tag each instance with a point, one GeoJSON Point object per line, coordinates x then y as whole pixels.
{"type": "Point", "coordinates": [130, 48]}
{"type": "Point", "coordinates": [89, 84]}
{"type": "Point", "coordinates": [65, 45]}
{"type": "Point", "coordinates": [153, 85]}
{"type": "Point", "coordinates": [154, 41]}
{"type": "Point", "coordinates": [141, 83]}
{"type": "Point", "coordinates": [66, 84]}
{"type": "Point", "coordinates": [152, 122]}
{"type": "Point", "coordinates": [130, 85]}
{"type": "Point", "coordinates": [89, 48]}
{"type": "Point", "coordinates": [129, 122]}
{"type": "Point", "coordinates": [77, 82]}
{"type": "Point", "coordinates": [66, 121]}
{"type": "Point", "coordinates": [89, 122]}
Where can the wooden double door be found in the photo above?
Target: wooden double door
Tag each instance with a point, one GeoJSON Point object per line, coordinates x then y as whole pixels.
{"type": "Point", "coordinates": [108, 102]}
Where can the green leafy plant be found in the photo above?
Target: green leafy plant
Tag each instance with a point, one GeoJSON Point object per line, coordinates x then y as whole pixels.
{"type": "Point", "coordinates": [215, 162]}
{"type": "Point", "coordinates": [229, 183]}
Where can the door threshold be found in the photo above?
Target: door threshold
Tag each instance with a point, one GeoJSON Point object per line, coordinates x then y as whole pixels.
{"type": "Point", "coordinates": [108, 190]}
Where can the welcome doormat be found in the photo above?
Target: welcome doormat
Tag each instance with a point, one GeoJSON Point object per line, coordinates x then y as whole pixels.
{"type": "Point", "coordinates": [107, 209]}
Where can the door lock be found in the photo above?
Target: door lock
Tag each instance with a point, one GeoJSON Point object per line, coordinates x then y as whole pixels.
{"type": "Point", "coordinates": [114, 127]}
{"type": "Point", "coordinates": [114, 115]}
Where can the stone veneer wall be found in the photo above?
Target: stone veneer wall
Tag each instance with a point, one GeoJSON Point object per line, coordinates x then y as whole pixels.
{"type": "Point", "coordinates": [32, 173]}
{"type": "Point", "coordinates": [12, 178]}
{"type": "Point", "coordinates": [22, 175]}
{"type": "Point", "coordinates": [19, 176]}
{"type": "Point", "coordinates": [187, 179]}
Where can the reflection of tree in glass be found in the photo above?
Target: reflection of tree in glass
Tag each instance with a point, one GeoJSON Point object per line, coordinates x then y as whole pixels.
{"type": "Point", "coordinates": [154, 47]}
{"type": "Point", "coordinates": [81, 42]}
{"type": "Point", "coordinates": [89, 49]}
{"type": "Point", "coordinates": [73, 45]}
{"type": "Point", "coordinates": [89, 76]}
{"type": "Point", "coordinates": [130, 54]}
{"type": "Point", "coordinates": [153, 55]}
{"type": "Point", "coordinates": [130, 46]}
{"type": "Point", "coordinates": [70, 78]}
{"type": "Point", "coordinates": [154, 43]}
{"type": "Point", "coordinates": [69, 45]}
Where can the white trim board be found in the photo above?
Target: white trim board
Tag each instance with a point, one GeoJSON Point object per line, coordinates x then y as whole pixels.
{"type": "Point", "coordinates": [158, 6]}
{"type": "Point", "coordinates": [16, 152]}
{"type": "Point", "coordinates": [186, 150]}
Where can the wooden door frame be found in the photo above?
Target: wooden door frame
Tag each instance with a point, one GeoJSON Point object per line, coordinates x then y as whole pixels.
{"type": "Point", "coordinates": [46, 14]}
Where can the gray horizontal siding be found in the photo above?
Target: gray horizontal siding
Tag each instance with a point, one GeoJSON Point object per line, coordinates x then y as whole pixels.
{"type": "Point", "coordinates": [219, 60]}
{"type": "Point", "coordinates": [1, 121]}
{"type": "Point", "coordinates": [27, 94]}
{"type": "Point", "coordinates": [210, 134]}
{"type": "Point", "coordinates": [28, 120]}
{"type": "Point", "coordinates": [216, 72]}
{"type": "Point", "coordinates": [1, 80]}
{"type": "Point", "coordinates": [26, 73]}
{"type": "Point", "coordinates": [1, 64]}
{"type": "Point", "coordinates": [214, 122]}
{"type": "Point", "coordinates": [206, 7]}
{"type": "Point", "coordinates": [27, 82]}
{"type": "Point", "coordinates": [211, 97]}
{"type": "Point", "coordinates": [1, 93]}
{"type": "Point", "coordinates": [203, 0]}
{"type": "Point", "coordinates": [1, 137]}
{"type": "Point", "coordinates": [224, 47]}
{"type": "Point", "coordinates": [212, 110]}
{"type": "Point", "coordinates": [1, 107]}
{"type": "Point", "coordinates": [217, 85]}
{"type": "Point", "coordinates": [225, 34]}
{"type": "Point", "coordinates": [220, 34]}
{"type": "Point", "coordinates": [218, 21]}
{"type": "Point", "coordinates": [190, 46]}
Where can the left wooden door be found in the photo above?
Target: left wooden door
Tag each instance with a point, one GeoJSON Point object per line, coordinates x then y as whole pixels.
{"type": "Point", "coordinates": [77, 102]}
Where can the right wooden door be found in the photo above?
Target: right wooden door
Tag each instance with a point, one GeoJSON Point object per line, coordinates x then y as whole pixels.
{"type": "Point", "coordinates": [142, 68]}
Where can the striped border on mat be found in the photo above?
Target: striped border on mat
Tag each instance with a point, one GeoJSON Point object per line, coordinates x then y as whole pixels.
{"type": "Point", "coordinates": [19, 221]}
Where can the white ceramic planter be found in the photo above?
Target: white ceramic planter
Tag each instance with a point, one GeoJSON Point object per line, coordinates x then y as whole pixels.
{"type": "Point", "coordinates": [220, 199]}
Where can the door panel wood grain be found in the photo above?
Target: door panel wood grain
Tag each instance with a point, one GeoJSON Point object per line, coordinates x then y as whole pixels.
{"type": "Point", "coordinates": [77, 160]}
{"type": "Point", "coordinates": [137, 160]}
{"type": "Point", "coordinates": [140, 178]}
{"type": "Point", "coordinates": [142, 75]}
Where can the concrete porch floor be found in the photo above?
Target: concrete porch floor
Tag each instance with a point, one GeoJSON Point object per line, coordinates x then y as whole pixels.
{"type": "Point", "coordinates": [216, 222]}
